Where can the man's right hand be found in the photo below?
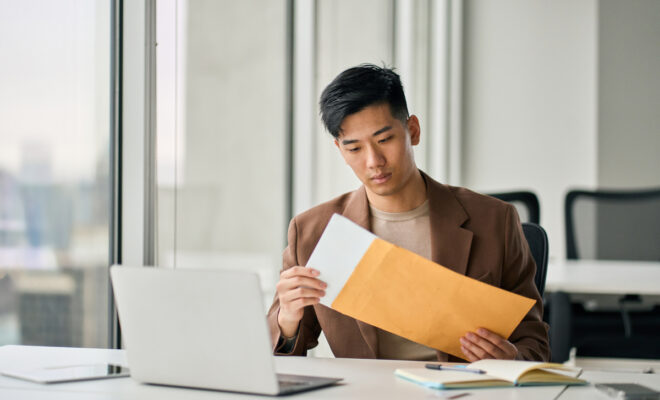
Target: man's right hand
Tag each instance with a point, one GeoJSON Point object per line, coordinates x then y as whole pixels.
{"type": "Point", "coordinates": [298, 287]}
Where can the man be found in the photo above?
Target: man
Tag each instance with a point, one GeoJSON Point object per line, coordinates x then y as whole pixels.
{"type": "Point", "coordinates": [365, 110]}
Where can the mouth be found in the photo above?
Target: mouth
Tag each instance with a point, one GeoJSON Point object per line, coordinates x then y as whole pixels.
{"type": "Point", "coordinates": [381, 178]}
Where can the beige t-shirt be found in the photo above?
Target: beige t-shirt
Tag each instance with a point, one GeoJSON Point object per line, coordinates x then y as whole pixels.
{"type": "Point", "coordinates": [412, 231]}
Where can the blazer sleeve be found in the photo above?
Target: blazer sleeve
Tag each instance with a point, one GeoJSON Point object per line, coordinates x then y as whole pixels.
{"type": "Point", "coordinates": [519, 269]}
{"type": "Point", "coordinates": [309, 328]}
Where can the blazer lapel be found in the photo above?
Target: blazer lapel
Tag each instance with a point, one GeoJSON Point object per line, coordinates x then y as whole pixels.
{"type": "Point", "coordinates": [450, 242]}
{"type": "Point", "coordinates": [357, 210]}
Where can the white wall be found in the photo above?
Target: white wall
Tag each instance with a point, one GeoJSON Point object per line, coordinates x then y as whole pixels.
{"type": "Point", "coordinates": [530, 101]}
{"type": "Point", "coordinates": [629, 93]}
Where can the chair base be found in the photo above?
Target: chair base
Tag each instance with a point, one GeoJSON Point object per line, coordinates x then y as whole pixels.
{"type": "Point", "coordinates": [600, 333]}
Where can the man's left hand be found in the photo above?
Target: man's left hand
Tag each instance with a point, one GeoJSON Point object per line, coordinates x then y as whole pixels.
{"type": "Point", "coordinates": [486, 344]}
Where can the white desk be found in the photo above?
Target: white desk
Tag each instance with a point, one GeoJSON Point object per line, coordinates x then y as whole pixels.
{"type": "Point", "coordinates": [363, 379]}
{"type": "Point", "coordinates": [589, 392]}
{"type": "Point", "coordinates": [604, 277]}
{"type": "Point", "coordinates": [598, 285]}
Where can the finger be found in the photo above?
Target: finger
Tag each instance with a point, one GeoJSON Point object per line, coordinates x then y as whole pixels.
{"type": "Point", "coordinates": [494, 338]}
{"type": "Point", "coordinates": [477, 350]}
{"type": "Point", "coordinates": [304, 302]}
{"type": "Point", "coordinates": [470, 356]}
{"type": "Point", "coordinates": [286, 284]}
{"type": "Point", "coordinates": [300, 293]}
{"type": "Point", "coordinates": [494, 350]}
{"type": "Point", "coordinates": [507, 348]}
{"type": "Point", "coordinates": [299, 271]}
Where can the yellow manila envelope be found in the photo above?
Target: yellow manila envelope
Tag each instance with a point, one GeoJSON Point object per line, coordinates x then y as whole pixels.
{"type": "Point", "coordinates": [403, 293]}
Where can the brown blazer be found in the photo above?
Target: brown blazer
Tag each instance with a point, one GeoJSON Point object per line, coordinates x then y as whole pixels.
{"type": "Point", "coordinates": [472, 234]}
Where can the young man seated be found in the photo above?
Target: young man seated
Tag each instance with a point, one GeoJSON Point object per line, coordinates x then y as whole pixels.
{"type": "Point", "coordinates": [364, 109]}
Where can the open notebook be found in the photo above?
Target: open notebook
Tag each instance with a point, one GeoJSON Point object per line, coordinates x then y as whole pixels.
{"type": "Point", "coordinates": [498, 373]}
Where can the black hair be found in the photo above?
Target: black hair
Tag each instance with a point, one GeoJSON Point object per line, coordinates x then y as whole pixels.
{"type": "Point", "coordinates": [357, 88]}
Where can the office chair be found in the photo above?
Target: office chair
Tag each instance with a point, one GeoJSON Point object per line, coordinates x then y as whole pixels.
{"type": "Point", "coordinates": [538, 244]}
{"type": "Point", "coordinates": [613, 225]}
{"type": "Point", "coordinates": [609, 225]}
{"type": "Point", "coordinates": [526, 203]}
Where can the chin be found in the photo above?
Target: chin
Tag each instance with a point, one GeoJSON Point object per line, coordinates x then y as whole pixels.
{"type": "Point", "coordinates": [383, 190]}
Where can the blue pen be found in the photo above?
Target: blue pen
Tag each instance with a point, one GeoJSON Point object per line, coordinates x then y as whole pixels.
{"type": "Point", "coordinates": [459, 368]}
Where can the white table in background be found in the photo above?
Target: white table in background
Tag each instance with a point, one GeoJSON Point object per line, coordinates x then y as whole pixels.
{"type": "Point", "coordinates": [598, 285]}
{"type": "Point", "coordinates": [604, 277]}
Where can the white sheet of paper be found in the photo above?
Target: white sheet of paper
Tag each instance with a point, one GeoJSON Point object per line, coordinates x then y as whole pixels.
{"type": "Point", "coordinates": [338, 252]}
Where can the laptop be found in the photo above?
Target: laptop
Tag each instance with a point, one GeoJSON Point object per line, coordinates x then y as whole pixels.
{"type": "Point", "coordinates": [201, 329]}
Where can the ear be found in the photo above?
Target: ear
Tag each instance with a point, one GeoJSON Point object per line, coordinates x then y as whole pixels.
{"type": "Point", "coordinates": [337, 143]}
{"type": "Point", "coordinates": [413, 129]}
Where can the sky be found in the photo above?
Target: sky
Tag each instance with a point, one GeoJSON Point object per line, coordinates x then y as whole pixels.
{"type": "Point", "coordinates": [54, 88]}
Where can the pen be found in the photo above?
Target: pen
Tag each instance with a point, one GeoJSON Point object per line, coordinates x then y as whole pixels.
{"type": "Point", "coordinates": [459, 368]}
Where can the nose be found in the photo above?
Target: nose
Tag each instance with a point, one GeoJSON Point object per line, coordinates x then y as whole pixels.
{"type": "Point", "coordinates": [375, 157]}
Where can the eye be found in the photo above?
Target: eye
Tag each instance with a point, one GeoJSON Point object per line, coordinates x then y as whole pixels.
{"type": "Point", "coordinates": [354, 149]}
{"type": "Point", "coordinates": [385, 139]}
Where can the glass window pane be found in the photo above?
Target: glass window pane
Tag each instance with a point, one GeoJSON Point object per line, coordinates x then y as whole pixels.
{"type": "Point", "coordinates": [221, 156]}
{"type": "Point", "coordinates": [54, 172]}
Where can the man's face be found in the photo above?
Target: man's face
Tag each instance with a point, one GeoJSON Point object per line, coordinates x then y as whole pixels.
{"type": "Point", "coordinates": [378, 147]}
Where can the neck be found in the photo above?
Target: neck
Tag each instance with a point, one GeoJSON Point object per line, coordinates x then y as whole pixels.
{"type": "Point", "coordinates": [410, 196]}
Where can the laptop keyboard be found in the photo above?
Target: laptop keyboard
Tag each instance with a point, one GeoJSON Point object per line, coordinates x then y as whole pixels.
{"type": "Point", "coordinates": [294, 383]}
{"type": "Point", "coordinates": [284, 383]}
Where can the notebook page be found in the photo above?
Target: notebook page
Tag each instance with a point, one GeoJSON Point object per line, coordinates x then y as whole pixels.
{"type": "Point", "coordinates": [511, 370]}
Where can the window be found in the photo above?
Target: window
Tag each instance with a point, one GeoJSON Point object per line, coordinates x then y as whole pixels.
{"type": "Point", "coordinates": [54, 172]}
{"type": "Point", "coordinates": [222, 144]}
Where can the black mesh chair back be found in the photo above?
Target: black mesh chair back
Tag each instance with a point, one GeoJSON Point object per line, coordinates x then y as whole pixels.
{"type": "Point", "coordinates": [538, 244]}
{"type": "Point", "coordinates": [526, 203]}
{"type": "Point", "coordinates": [613, 225]}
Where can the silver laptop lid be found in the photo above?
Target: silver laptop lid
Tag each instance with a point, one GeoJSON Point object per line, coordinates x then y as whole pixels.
{"type": "Point", "coordinates": [196, 328]}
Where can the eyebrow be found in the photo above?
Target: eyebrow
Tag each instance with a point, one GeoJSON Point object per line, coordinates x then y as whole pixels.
{"type": "Point", "coordinates": [378, 132]}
